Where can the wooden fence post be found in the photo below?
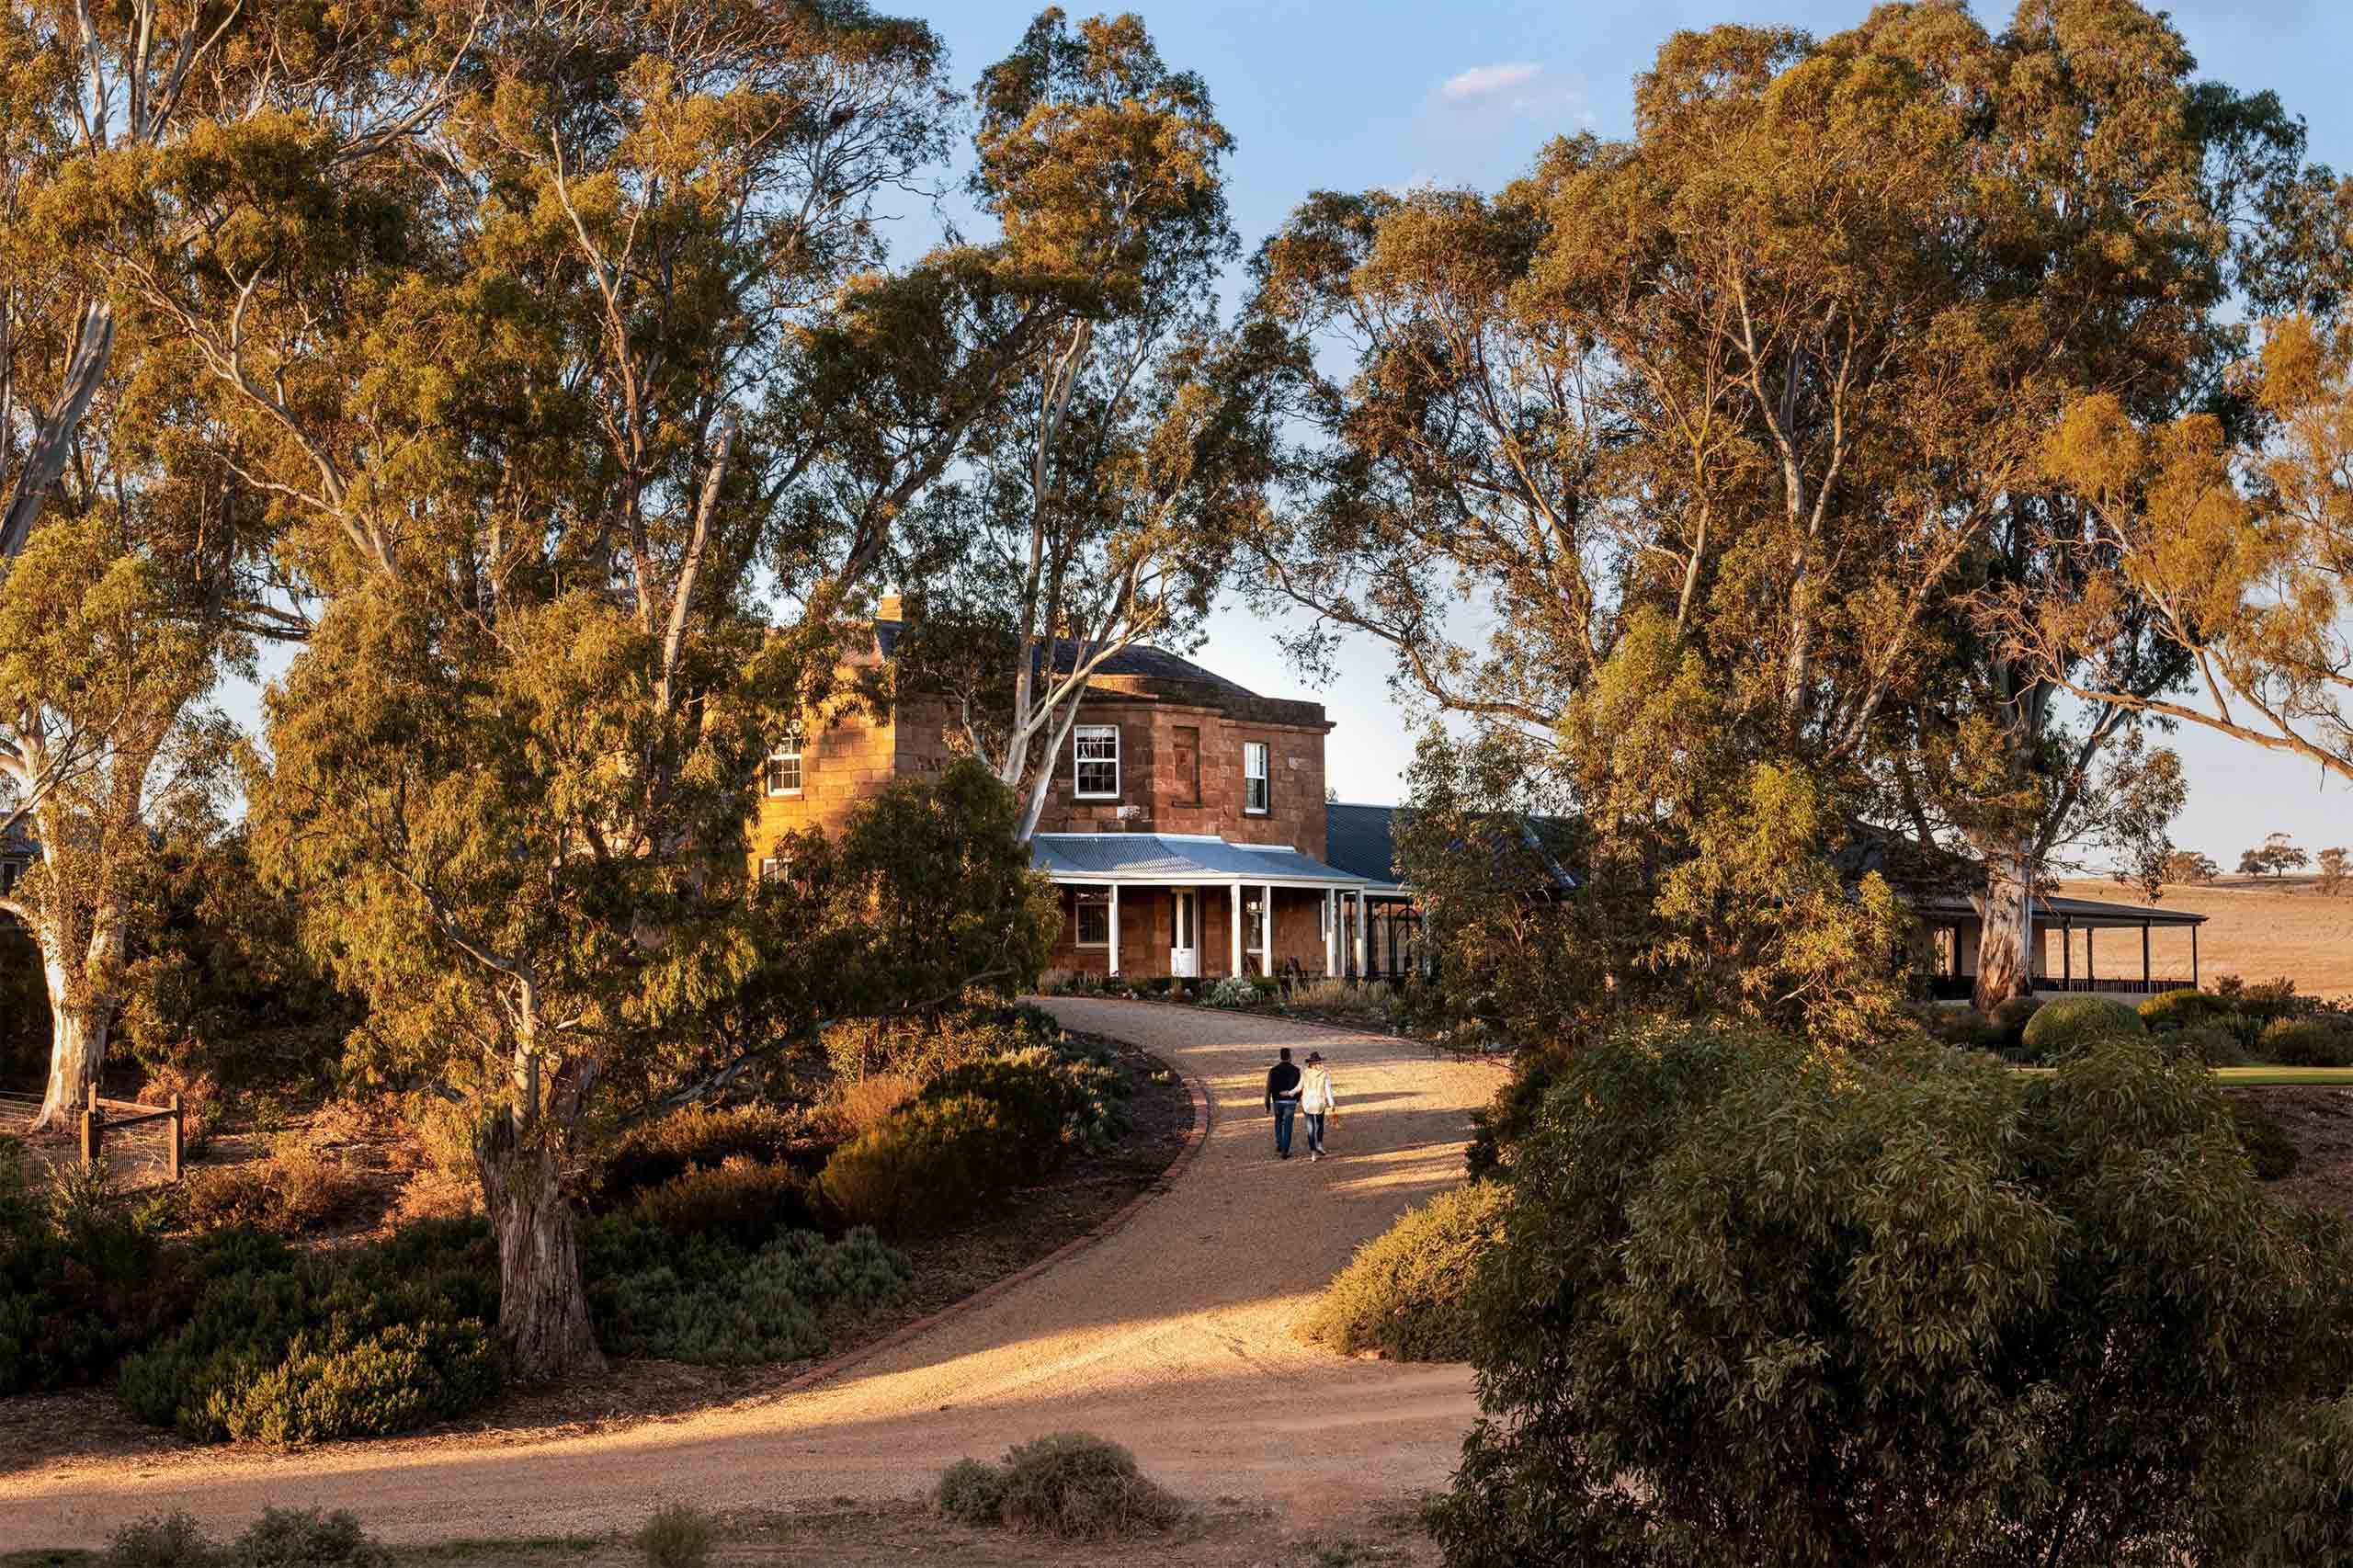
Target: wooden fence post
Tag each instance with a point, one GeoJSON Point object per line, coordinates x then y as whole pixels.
{"type": "Point", "coordinates": [172, 1166]}
{"type": "Point", "coordinates": [93, 1129]}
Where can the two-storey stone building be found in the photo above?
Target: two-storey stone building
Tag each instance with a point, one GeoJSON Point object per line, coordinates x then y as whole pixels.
{"type": "Point", "coordinates": [1186, 827]}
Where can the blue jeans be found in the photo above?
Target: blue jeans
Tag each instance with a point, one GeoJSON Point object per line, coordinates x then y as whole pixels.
{"type": "Point", "coordinates": [1283, 1113]}
{"type": "Point", "coordinates": [1315, 1131]}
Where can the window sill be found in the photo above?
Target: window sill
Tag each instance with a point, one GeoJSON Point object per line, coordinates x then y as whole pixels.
{"type": "Point", "coordinates": [784, 794]}
{"type": "Point", "coordinates": [1075, 796]}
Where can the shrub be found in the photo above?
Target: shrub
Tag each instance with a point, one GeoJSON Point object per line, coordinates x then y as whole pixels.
{"type": "Point", "coordinates": [971, 1492]}
{"type": "Point", "coordinates": [2264, 1000]}
{"type": "Point", "coordinates": [742, 1201]}
{"type": "Point", "coordinates": [1036, 1102]}
{"type": "Point", "coordinates": [2072, 1022]}
{"type": "Point", "coordinates": [1406, 1292]}
{"type": "Point", "coordinates": [920, 1049]}
{"type": "Point", "coordinates": [84, 1277]}
{"type": "Point", "coordinates": [1233, 990]}
{"type": "Point", "coordinates": [290, 1350]}
{"type": "Point", "coordinates": [715, 1307]}
{"type": "Point", "coordinates": [2009, 1018]}
{"type": "Point", "coordinates": [924, 1169]}
{"type": "Point", "coordinates": [307, 1538]}
{"type": "Point", "coordinates": [2183, 1009]}
{"type": "Point", "coordinates": [162, 1540]}
{"type": "Point", "coordinates": [1082, 1487]}
{"type": "Point", "coordinates": [678, 1536]}
{"type": "Point", "coordinates": [2214, 1045]}
{"type": "Point", "coordinates": [1506, 1118]}
{"type": "Point", "coordinates": [296, 1189]}
{"type": "Point", "coordinates": [1911, 1352]}
{"type": "Point", "coordinates": [2268, 1147]}
{"type": "Point", "coordinates": [866, 1101]}
{"type": "Point", "coordinates": [661, 1150]}
{"type": "Point", "coordinates": [2304, 1042]}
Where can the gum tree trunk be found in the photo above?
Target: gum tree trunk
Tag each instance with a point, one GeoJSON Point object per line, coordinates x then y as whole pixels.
{"type": "Point", "coordinates": [2005, 961]}
{"type": "Point", "coordinates": [543, 1306]}
{"type": "Point", "coordinates": [78, 1027]}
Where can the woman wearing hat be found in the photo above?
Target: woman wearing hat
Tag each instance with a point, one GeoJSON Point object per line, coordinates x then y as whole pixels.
{"type": "Point", "coordinates": [1315, 1102]}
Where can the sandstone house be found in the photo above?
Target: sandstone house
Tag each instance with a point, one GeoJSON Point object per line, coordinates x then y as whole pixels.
{"type": "Point", "coordinates": [1187, 828]}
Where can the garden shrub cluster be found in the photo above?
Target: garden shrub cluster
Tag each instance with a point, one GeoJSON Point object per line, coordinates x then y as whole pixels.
{"type": "Point", "coordinates": [1070, 1485]}
{"type": "Point", "coordinates": [740, 1200]}
{"type": "Point", "coordinates": [714, 1304]}
{"type": "Point", "coordinates": [1406, 1292]}
{"type": "Point", "coordinates": [286, 1350]}
{"type": "Point", "coordinates": [2268, 1024]}
{"type": "Point", "coordinates": [2073, 1022]}
{"type": "Point", "coordinates": [296, 1190]}
{"type": "Point", "coordinates": [652, 1153]}
{"type": "Point", "coordinates": [281, 1537]}
{"type": "Point", "coordinates": [2305, 1042]}
{"type": "Point", "coordinates": [1985, 1317]}
{"type": "Point", "coordinates": [83, 1279]}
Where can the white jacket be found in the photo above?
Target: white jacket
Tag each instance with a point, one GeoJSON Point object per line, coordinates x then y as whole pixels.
{"type": "Point", "coordinates": [1315, 1095]}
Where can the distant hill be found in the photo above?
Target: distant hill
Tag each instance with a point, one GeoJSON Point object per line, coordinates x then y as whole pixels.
{"type": "Point", "coordinates": [2258, 928]}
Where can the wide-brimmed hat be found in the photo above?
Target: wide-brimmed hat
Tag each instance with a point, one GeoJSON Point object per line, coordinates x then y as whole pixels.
{"type": "Point", "coordinates": [1315, 1056]}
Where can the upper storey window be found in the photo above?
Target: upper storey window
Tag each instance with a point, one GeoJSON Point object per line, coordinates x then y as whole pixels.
{"type": "Point", "coordinates": [1256, 782]}
{"type": "Point", "coordinates": [1095, 761]}
{"type": "Point", "coordinates": [781, 776]}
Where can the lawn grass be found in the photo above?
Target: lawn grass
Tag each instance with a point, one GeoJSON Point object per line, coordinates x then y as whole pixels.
{"type": "Point", "coordinates": [2268, 1077]}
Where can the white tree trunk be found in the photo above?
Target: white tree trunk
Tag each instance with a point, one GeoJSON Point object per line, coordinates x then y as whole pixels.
{"type": "Point", "coordinates": [2005, 959]}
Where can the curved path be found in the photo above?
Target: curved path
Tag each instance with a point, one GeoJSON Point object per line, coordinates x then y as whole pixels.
{"type": "Point", "coordinates": [1173, 1335]}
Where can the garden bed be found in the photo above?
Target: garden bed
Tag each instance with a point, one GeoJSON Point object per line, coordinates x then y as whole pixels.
{"type": "Point", "coordinates": [55, 1433]}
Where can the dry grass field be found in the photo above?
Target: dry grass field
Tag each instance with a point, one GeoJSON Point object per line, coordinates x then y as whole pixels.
{"type": "Point", "coordinates": [2257, 928]}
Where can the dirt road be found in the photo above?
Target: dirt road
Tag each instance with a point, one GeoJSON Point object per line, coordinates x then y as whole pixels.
{"type": "Point", "coordinates": [1174, 1337]}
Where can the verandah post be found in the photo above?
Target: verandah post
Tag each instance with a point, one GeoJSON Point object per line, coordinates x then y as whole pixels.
{"type": "Point", "coordinates": [1233, 931]}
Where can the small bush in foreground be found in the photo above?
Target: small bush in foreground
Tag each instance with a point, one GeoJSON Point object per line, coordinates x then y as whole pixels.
{"type": "Point", "coordinates": [162, 1540]}
{"type": "Point", "coordinates": [1406, 1292]}
{"type": "Point", "coordinates": [2304, 1042]}
{"type": "Point", "coordinates": [2009, 1018]}
{"type": "Point", "coordinates": [1915, 1351]}
{"type": "Point", "coordinates": [1070, 1484]}
{"type": "Point", "coordinates": [2073, 1022]}
{"type": "Point", "coordinates": [307, 1538]}
{"type": "Point", "coordinates": [926, 1167]}
{"type": "Point", "coordinates": [971, 1492]}
{"type": "Point", "coordinates": [713, 1306]}
{"type": "Point", "coordinates": [678, 1536]}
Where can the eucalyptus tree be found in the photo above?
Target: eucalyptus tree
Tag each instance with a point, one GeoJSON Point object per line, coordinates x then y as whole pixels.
{"type": "Point", "coordinates": [545, 407]}
{"type": "Point", "coordinates": [1098, 500]}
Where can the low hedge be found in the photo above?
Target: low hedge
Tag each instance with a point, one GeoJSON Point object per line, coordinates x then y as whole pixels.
{"type": "Point", "coordinates": [2304, 1042]}
{"type": "Point", "coordinates": [2185, 1009]}
{"type": "Point", "coordinates": [2009, 1018]}
{"type": "Point", "coordinates": [719, 1307]}
{"type": "Point", "coordinates": [926, 1166]}
{"type": "Point", "coordinates": [739, 1201]}
{"type": "Point", "coordinates": [283, 1349]}
{"type": "Point", "coordinates": [1405, 1293]}
{"type": "Point", "coordinates": [2073, 1022]}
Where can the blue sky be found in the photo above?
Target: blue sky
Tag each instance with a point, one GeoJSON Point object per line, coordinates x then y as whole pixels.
{"type": "Point", "coordinates": [1354, 94]}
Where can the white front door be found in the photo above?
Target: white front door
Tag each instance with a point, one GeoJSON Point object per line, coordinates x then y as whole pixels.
{"type": "Point", "coordinates": [1185, 947]}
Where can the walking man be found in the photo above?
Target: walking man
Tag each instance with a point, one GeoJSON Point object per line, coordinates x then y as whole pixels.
{"type": "Point", "coordinates": [1316, 1102]}
{"type": "Point", "coordinates": [1282, 1098]}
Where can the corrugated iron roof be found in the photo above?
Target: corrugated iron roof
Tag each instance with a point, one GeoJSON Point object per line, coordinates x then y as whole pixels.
{"type": "Point", "coordinates": [1155, 856]}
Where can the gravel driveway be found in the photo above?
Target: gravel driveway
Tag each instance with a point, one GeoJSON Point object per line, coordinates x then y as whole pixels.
{"type": "Point", "coordinates": [1174, 1337]}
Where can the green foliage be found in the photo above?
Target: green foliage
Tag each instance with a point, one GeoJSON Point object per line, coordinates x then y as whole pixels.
{"type": "Point", "coordinates": [290, 1350]}
{"type": "Point", "coordinates": [661, 1149]}
{"type": "Point", "coordinates": [1034, 1101]}
{"type": "Point", "coordinates": [1233, 990]}
{"type": "Point", "coordinates": [2183, 1009]}
{"type": "Point", "coordinates": [162, 1540]}
{"type": "Point", "coordinates": [292, 1190]}
{"type": "Point", "coordinates": [2070, 1023]}
{"type": "Point", "coordinates": [714, 1305]}
{"type": "Point", "coordinates": [1070, 1485]}
{"type": "Point", "coordinates": [1406, 1292]}
{"type": "Point", "coordinates": [678, 1536]}
{"type": "Point", "coordinates": [1963, 1027]}
{"type": "Point", "coordinates": [1510, 1115]}
{"type": "Point", "coordinates": [84, 1278]}
{"type": "Point", "coordinates": [971, 1492]}
{"type": "Point", "coordinates": [2009, 1018]}
{"type": "Point", "coordinates": [2268, 1148]}
{"type": "Point", "coordinates": [1917, 1349]}
{"type": "Point", "coordinates": [925, 1168]}
{"type": "Point", "coordinates": [307, 1538]}
{"type": "Point", "coordinates": [2216, 1045]}
{"type": "Point", "coordinates": [2305, 1042]}
{"type": "Point", "coordinates": [739, 1201]}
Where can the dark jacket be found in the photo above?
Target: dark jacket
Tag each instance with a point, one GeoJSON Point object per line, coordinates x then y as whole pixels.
{"type": "Point", "coordinates": [1282, 1083]}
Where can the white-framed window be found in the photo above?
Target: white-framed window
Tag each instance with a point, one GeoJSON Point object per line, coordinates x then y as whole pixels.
{"type": "Point", "coordinates": [781, 774]}
{"type": "Point", "coordinates": [1257, 786]}
{"type": "Point", "coordinates": [1093, 926]}
{"type": "Point", "coordinates": [771, 868]}
{"type": "Point", "coordinates": [1095, 761]}
{"type": "Point", "coordinates": [1253, 925]}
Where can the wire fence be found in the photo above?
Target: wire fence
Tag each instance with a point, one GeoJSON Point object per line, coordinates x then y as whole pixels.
{"type": "Point", "coordinates": [137, 1145]}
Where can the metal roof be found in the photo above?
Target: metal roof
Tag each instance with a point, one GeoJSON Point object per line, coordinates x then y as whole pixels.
{"type": "Point", "coordinates": [2090, 912]}
{"type": "Point", "coordinates": [1176, 857]}
{"type": "Point", "coordinates": [1360, 840]}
